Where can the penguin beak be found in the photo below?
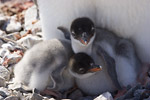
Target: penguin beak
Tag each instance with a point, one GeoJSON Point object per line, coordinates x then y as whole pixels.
{"type": "Point", "coordinates": [95, 68]}
{"type": "Point", "coordinates": [85, 38]}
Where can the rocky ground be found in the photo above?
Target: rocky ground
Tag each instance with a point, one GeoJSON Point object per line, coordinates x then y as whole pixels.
{"type": "Point", "coordinates": [20, 30]}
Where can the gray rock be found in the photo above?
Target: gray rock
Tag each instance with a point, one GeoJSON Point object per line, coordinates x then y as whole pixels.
{"type": "Point", "coordinates": [13, 58]}
{"type": "Point", "coordinates": [2, 82]}
{"type": "Point", "coordinates": [104, 96]}
{"type": "Point", "coordinates": [3, 20]}
{"type": "Point", "coordinates": [13, 26]}
{"type": "Point", "coordinates": [30, 16]}
{"type": "Point", "coordinates": [13, 36]}
{"type": "Point", "coordinates": [4, 52]}
{"type": "Point", "coordinates": [2, 33]}
{"type": "Point", "coordinates": [4, 73]}
{"type": "Point", "coordinates": [29, 41]}
{"type": "Point", "coordinates": [12, 98]}
{"type": "Point", "coordinates": [4, 92]}
{"type": "Point", "coordinates": [1, 98]}
{"type": "Point", "coordinates": [9, 46]}
{"type": "Point", "coordinates": [1, 42]}
{"type": "Point", "coordinates": [35, 96]}
{"type": "Point", "coordinates": [53, 99]}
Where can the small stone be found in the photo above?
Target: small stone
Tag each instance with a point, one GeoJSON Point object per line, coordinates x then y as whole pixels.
{"type": "Point", "coordinates": [13, 26]}
{"type": "Point", "coordinates": [4, 73]}
{"type": "Point", "coordinates": [2, 33]}
{"type": "Point", "coordinates": [138, 92]}
{"type": "Point", "coordinates": [52, 99]}
{"type": "Point", "coordinates": [2, 82]}
{"type": "Point", "coordinates": [1, 98]}
{"type": "Point", "coordinates": [30, 16]}
{"type": "Point", "coordinates": [104, 96]}
{"type": "Point", "coordinates": [9, 46]}
{"type": "Point", "coordinates": [12, 98]}
{"type": "Point", "coordinates": [4, 52]}
{"type": "Point", "coordinates": [13, 58]}
{"type": "Point", "coordinates": [1, 42]}
{"type": "Point", "coordinates": [29, 41]}
{"type": "Point", "coordinates": [35, 96]}
{"type": "Point", "coordinates": [13, 36]}
{"type": "Point", "coordinates": [4, 92]}
{"type": "Point", "coordinates": [2, 20]}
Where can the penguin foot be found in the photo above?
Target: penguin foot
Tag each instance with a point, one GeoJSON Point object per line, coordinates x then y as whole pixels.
{"type": "Point", "coordinates": [66, 93]}
{"type": "Point", "coordinates": [120, 93]}
{"type": "Point", "coordinates": [144, 74]}
{"type": "Point", "coordinates": [51, 92]}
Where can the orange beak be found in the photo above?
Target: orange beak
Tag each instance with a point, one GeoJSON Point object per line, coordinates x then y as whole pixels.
{"type": "Point", "coordinates": [85, 38]}
{"type": "Point", "coordinates": [85, 42]}
{"type": "Point", "coordinates": [95, 68]}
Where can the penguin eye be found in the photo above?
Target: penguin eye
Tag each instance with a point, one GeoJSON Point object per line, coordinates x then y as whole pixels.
{"type": "Point", "coordinates": [73, 33]}
{"type": "Point", "coordinates": [92, 29]}
{"type": "Point", "coordinates": [81, 70]}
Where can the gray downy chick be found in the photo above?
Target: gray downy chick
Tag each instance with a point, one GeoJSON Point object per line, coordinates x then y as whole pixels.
{"type": "Point", "coordinates": [93, 79]}
{"type": "Point", "coordinates": [46, 65]}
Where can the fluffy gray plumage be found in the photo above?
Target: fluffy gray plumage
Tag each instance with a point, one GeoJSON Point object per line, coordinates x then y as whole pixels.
{"type": "Point", "coordinates": [46, 65]}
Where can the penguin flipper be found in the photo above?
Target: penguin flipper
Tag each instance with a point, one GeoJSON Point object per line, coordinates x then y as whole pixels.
{"type": "Point", "coordinates": [65, 31]}
{"type": "Point", "coordinates": [111, 66]}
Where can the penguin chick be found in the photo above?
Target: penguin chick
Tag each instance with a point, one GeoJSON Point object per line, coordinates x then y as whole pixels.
{"type": "Point", "coordinates": [45, 65]}
{"type": "Point", "coordinates": [82, 67]}
{"type": "Point", "coordinates": [84, 38]}
{"type": "Point", "coordinates": [90, 80]}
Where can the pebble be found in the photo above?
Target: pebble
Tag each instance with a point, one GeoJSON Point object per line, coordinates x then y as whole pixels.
{"type": "Point", "coordinates": [4, 52]}
{"type": "Point", "coordinates": [3, 20]}
{"type": "Point", "coordinates": [104, 96]}
{"type": "Point", "coordinates": [9, 46]}
{"type": "Point", "coordinates": [30, 17]}
{"type": "Point", "coordinates": [4, 73]}
{"type": "Point", "coordinates": [35, 96]}
{"type": "Point", "coordinates": [12, 98]}
{"type": "Point", "coordinates": [13, 36]}
{"type": "Point", "coordinates": [13, 58]}
{"type": "Point", "coordinates": [2, 82]}
{"type": "Point", "coordinates": [29, 41]}
{"type": "Point", "coordinates": [13, 26]}
{"type": "Point", "coordinates": [2, 33]}
{"type": "Point", "coordinates": [4, 92]}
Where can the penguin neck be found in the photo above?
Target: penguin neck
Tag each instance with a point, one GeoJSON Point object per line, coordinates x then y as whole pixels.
{"type": "Point", "coordinates": [79, 47]}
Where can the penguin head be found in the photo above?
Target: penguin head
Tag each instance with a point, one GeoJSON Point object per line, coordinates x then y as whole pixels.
{"type": "Point", "coordinates": [82, 65]}
{"type": "Point", "coordinates": [83, 30]}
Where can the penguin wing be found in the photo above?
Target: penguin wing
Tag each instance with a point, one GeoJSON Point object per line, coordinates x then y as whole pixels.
{"type": "Point", "coordinates": [65, 31]}
{"type": "Point", "coordinates": [111, 66]}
